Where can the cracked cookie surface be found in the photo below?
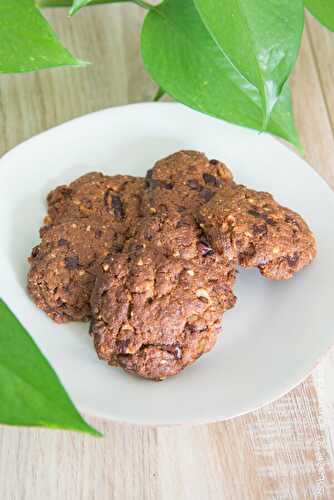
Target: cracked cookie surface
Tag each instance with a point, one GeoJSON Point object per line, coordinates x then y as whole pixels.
{"type": "Point", "coordinates": [158, 305]}
{"type": "Point", "coordinates": [262, 233]}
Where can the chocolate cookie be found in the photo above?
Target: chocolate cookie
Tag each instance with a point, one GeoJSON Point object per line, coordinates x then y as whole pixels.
{"type": "Point", "coordinates": [159, 304]}
{"type": "Point", "coordinates": [88, 221]}
{"type": "Point", "coordinates": [64, 265]}
{"type": "Point", "coordinates": [95, 194]}
{"type": "Point", "coordinates": [258, 230]}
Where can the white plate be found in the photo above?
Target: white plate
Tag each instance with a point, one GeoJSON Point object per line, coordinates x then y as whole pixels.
{"type": "Point", "coordinates": [273, 337]}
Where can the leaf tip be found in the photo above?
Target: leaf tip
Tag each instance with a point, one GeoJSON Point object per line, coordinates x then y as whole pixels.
{"type": "Point", "coordinates": [83, 64]}
{"type": "Point", "coordinates": [93, 432]}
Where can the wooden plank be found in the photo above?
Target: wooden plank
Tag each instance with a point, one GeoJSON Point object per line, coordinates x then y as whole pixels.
{"type": "Point", "coordinates": [311, 112]}
{"type": "Point", "coordinates": [322, 43]}
{"type": "Point", "coordinates": [282, 451]}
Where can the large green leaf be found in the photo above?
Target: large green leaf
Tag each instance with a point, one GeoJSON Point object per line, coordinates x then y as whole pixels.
{"type": "Point", "coordinates": [30, 391]}
{"type": "Point", "coordinates": [261, 38]}
{"type": "Point", "coordinates": [323, 10]}
{"type": "Point", "coordinates": [27, 41]}
{"type": "Point", "coordinates": [78, 4]}
{"type": "Point", "coordinates": [184, 60]}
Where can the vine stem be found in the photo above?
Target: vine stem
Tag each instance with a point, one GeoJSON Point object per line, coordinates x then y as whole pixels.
{"type": "Point", "coordinates": [160, 92]}
{"type": "Point", "coordinates": [144, 4]}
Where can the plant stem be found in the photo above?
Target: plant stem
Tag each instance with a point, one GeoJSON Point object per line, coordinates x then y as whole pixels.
{"type": "Point", "coordinates": [144, 4]}
{"type": "Point", "coordinates": [159, 94]}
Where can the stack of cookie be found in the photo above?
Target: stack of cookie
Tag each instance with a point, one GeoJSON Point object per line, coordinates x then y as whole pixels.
{"type": "Point", "coordinates": [152, 262]}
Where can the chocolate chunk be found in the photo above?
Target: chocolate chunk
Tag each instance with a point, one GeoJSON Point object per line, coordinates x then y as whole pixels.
{"type": "Point", "coordinates": [211, 179]}
{"type": "Point", "coordinates": [214, 162]}
{"type": "Point", "coordinates": [66, 192]}
{"type": "Point", "coordinates": [71, 262]}
{"type": "Point", "coordinates": [152, 183]}
{"type": "Point", "coordinates": [117, 248]}
{"type": "Point", "coordinates": [44, 230]}
{"type": "Point", "coordinates": [98, 234]}
{"type": "Point", "coordinates": [292, 260]}
{"type": "Point", "coordinates": [155, 183]}
{"type": "Point", "coordinates": [122, 345]}
{"type": "Point", "coordinates": [117, 205]}
{"type": "Point", "coordinates": [92, 326]}
{"type": "Point", "coordinates": [204, 248]}
{"type": "Point", "coordinates": [108, 199]}
{"type": "Point", "coordinates": [114, 203]}
{"type": "Point", "coordinates": [35, 251]}
{"type": "Point", "coordinates": [260, 229]}
{"type": "Point", "coordinates": [135, 249]}
{"type": "Point", "coordinates": [206, 194]}
{"type": "Point", "coordinates": [148, 235]}
{"type": "Point", "coordinates": [269, 220]}
{"type": "Point", "coordinates": [62, 242]}
{"type": "Point", "coordinates": [193, 184]}
{"type": "Point", "coordinates": [292, 220]}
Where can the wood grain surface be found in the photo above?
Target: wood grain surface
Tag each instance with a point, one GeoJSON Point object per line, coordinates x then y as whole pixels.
{"type": "Point", "coordinates": [282, 451]}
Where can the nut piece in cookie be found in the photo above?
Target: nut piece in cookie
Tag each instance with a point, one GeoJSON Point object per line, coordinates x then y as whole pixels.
{"type": "Point", "coordinates": [258, 230]}
{"type": "Point", "coordinates": [64, 265]}
{"type": "Point", "coordinates": [95, 194]}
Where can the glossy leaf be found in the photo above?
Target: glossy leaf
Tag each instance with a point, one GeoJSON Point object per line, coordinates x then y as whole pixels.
{"type": "Point", "coordinates": [27, 40]}
{"type": "Point", "coordinates": [30, 392]}
{"type": "Point", "coordinates": [323, 10]}
{"type": "Point", "coordinates": [184, 60]}
{"type": "Point", "coordinates": [261, 38]}
{"type": "Point", "coordinates": [78, 4]}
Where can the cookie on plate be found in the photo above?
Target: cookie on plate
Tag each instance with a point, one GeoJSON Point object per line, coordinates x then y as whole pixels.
{"type": "Point", "coordinates": [88, 221]}
{"type": "Point", "coordinates": [158, 305]}
{"type": "Point", "coordinates": [64, 265]}
{"type": "Point", "coordinates": [262, 233]}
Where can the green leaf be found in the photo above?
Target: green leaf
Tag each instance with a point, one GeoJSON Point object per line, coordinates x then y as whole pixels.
{"type": "Point", "coordinates": [78, 4]}
{"type": "Point", "coordinates": [323, 10]}
{"type": "Point", "coordinates": [184, 60]}
{"type": "Point", "coordinates": [30, 392]}
{"type": "Point", "coordinates": [27, 41]}
{"type": "Point", "coordinates": [261, 38]}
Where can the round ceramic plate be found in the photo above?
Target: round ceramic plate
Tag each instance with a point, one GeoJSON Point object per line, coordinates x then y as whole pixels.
{"type": "Point", "coordinates": [272, 338]}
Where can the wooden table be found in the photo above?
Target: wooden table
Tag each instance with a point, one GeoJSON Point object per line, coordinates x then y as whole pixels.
{"type": "Point", "coordinates": [283, 451]}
